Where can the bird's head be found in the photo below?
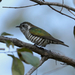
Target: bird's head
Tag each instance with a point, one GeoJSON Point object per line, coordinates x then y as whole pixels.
{"type": "Point", "coordinates": [24, 26]}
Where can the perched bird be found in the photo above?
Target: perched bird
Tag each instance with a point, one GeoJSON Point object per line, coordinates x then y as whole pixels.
{"type": "Point", "coordinates": [37, 35]}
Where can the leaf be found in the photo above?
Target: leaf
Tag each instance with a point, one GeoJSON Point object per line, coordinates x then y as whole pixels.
{"type": "Point", "coordinates": [74, 31]}
{"type": "Point", "coordinates": [28, 57]}
{"type": "Point", "coordinates": [8, 43]}
{"type": "Point", "coordinates": [19, 50]}
{"type": "Point", "coordinates": [17, 66]}
{"type": "Point", "coordinates": [12, 45]}
{"type": "Point", "coordinates": [0, 0]}
{"type": "Point", "coordinates": [24, 50]}
{"type": "Point", "coordinates": [6, 34]}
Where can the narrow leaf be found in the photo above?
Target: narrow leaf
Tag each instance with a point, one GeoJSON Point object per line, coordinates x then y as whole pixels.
{"type": "Point", "coordinates": [28, 57]}
{"type": "Point", "coordinates": [8, 43]}
{"type": "Point", "coordinates": [6, 34]}
{"type": "Point", "coordinates": [74, 31]}
{"type": "Point", "coordinates": [12, 45]}
{"type": "Point", "coordinates": [19, 50]}
{"type": "Point", "coordinates": [17, 66]}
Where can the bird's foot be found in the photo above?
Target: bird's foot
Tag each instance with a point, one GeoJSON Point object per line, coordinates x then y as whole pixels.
{"type": "Point", "coordinates": [38, 46]}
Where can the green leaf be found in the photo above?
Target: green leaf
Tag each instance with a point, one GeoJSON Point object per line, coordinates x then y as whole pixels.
{"type": "Point", "coordinates": [24, 50]}
{"type": "Point", "coordinates": [0, 0]}
{"type": "Point", "coordinates": [6, 34]}
{"type": "Point", "coordinates": [17, 66]}
{"type": "Point", "coordinates": [28, 57]}
{"type": "Point", "coordinates": [8, 43]}
{"type": "Point", "coordinates": [74, 31]}
{"type": "Point", "coordinates": [19, 50]}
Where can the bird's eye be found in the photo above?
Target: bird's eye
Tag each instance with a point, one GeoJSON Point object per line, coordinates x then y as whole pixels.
{"type": "Point", "coordinates": [23, 25]}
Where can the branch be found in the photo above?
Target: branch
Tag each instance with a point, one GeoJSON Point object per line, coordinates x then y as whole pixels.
{"type": "Point", "coordinates": [61, 12]}
{"type": "Point", "coordinates": [45, 3]}
{"type": "Point", "coordinates": [43, 59]}
{"type": "Point", "coordinates": [54, 4]}
{"type": "Point", "coordinates": [49, 4]}
{"type": "Point", "coordinates": [41, 51]}
{"type": "Point", "coordinates": [20, 7]}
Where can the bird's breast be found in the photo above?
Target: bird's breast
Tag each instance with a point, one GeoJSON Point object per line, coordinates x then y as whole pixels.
{"type": "Point", "coordinates": [38, 40]}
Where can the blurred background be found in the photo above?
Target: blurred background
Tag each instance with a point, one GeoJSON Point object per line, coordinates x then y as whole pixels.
{"type": "Point", "coordinates": [59, 26]}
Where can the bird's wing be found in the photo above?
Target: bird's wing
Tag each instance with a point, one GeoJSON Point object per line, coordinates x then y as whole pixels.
{"type": "Point", "coordinates": [42, 33]}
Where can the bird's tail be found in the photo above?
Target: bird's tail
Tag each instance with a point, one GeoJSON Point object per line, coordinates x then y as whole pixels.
{"type": "Point", "coordinates": [64, 44]}
{"type": "Point", "coordinates": [61, 42]}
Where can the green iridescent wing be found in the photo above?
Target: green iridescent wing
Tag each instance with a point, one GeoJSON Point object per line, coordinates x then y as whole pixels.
{"type": "Point", "coordinates": [38, 32]}
{"type": "Point", "coordinates": [42, 33]}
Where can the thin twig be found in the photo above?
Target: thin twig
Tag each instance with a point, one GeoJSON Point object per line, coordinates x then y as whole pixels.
{"type": "Point", "coordinates": [53, 4]}
{"type": "Point", "coordinates": [8, 51]}
{"type": "Point", "coordinates": [45, 3]}
{"type": "Point", "coordinates": [43, 59]}
{"type": "Point", "coordinates": [62, 4]}
{"type": "Point", "coordinates": [61, 12]}
{"type": "Point", "coordinates": [20, 7]}
{"type": "Point", "coordinates": [71, 12]}
{"type": "Point", "coordinates": [2, 48]}
{"type": "Point", "coordinates": [55, 70]}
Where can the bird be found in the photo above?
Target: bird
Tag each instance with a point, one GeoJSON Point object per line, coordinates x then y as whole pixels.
{"type": "Point", "coordinates": [37, 35]}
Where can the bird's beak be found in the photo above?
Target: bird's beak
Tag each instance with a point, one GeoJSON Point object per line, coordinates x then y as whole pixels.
{"type": "Point", "coordinates": [18, 26]}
